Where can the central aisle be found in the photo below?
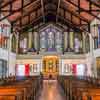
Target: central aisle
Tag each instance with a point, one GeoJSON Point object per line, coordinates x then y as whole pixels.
{"type": "Point", "coordinates": [51, 91]}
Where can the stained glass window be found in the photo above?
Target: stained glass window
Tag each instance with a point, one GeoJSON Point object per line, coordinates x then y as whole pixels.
{"type": "Point", "coordinates": [58, 40]}
{"type": "Point", "coordinates": [43, 40]}
{"type": "Point", "coordinates": [51, 39]}
{"type": "Point", "coordinates": [95, 30]}
{"type": "Point", "coordinates": [23, 45]}
{"type": "Point", "coordinates": [87, 44]}
{"type": "Point", "coordinates": [3, 68]}
{"type": "Point", "coordinates": [4, 35]}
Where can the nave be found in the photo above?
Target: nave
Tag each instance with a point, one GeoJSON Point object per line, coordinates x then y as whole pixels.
{"type": "Point", "coordinates": [64, 88]}
{"type": "Point", "coordinates": [49, 39]}
{"type": "Point", "coordinates": [51, 91]}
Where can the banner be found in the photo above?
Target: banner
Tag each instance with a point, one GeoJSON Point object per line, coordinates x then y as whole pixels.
{"type": "Point", "coordinates": [27, 69]}
{"type": "Point", "coordinates": [22, 70]}
{"type": "Point", "coordinates": [74, 69]}
{"type": "Point", "coordinates": [80, 69]}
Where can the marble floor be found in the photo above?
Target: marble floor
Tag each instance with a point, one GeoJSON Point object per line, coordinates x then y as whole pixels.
{"type": "Point", "coordinates": [51, 91]}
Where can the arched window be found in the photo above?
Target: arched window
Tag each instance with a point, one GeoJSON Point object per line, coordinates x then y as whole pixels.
{"type": "Point", "coordinates": [51, 39]}
{"type": "Point", "coordinates": [13, 42]}
{"type": "Point", "coordinates": [3, 68]}
{"type": "Point", "coordinates": [87, 44]}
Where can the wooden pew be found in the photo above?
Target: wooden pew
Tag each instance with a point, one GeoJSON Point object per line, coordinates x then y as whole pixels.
{"type": "Point", "coordinates": [10, 94]}
{"type": "Point", "coordinates": [22, 90]}
{"type": "Point", "coordinates": [80, 88]}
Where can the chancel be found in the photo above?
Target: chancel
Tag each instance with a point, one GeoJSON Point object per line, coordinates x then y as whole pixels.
{"type": "Point", "coordinates": [49, 50]}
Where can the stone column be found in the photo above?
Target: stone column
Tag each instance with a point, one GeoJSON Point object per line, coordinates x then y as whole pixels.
{"type": "Point", "coordinates": [36, 40]}
{"type": "Point", "coordinates": [71, 38]}
{"type": "Point", "coordinates": [30, 39]}
{"type": "Point", "coordinates": [91, 43]}
{"type": "Point", "coordinates": [65, 41]}
{"type": "Point", "coordinates": [17, 43]}
{"type": "Point", "coordinates": [58, 40]}
{"type": "Point", "coordinates": [93, 58]}
{"type": "Point", "coordinates": [83, 41]}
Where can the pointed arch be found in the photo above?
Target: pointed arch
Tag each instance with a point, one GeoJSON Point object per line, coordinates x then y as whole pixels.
{"type": "Point", "coordinates": [13, 43]}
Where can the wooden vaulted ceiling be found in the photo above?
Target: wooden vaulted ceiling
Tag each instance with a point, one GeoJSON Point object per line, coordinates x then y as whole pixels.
{"type": "Point", "coordinates": [74, 13]}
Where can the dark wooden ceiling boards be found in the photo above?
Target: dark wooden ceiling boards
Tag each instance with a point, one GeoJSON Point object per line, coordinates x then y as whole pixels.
{"type": "Point", "coordinates": [77, 13]}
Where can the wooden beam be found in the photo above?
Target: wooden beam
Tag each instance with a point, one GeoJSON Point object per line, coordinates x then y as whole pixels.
{"type": "Point", "coordinates": [69, 21]}
{"type": "Point", "coordinates": [79, 6]}
{"type": "Point", "coordinates": [74, 14]}
{"type": "Point", "coordinates": [92, 2]}
{"type": "Point", "coordinates": [22, 5]}
{"type": "Point", "coordinates": [30, 23]}
{"type": "Point", "coordinates": [69, 1]}
{"type": "Point", "coordinates": [8, 3]}
{"type": "Point", "coordinates": [18, 10]}
{"type": "Point", "coordinates": [43, 12]}
{"type": "Point", "coordinates": [29, 13]}
{"type": "Point", "coordinates": [58, 7]}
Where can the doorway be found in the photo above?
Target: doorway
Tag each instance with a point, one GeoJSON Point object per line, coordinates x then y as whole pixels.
{"type": "Point", "coordinates": [50, 67]}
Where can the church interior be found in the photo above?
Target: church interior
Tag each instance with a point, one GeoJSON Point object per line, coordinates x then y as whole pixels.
{"type": "Point", "coordinates": [49, 49]}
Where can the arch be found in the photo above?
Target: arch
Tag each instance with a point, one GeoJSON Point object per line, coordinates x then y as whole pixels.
{"type": "Point", "coordinates": [13, 43]}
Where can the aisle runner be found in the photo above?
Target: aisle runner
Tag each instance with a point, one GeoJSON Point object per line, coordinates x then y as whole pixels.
{"type": "Point", "coordinates": [51, 91]}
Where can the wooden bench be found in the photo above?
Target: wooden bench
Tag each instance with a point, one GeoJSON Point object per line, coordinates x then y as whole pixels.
{"type": "Point", "coordinates": [80, 88]}
{"type": "Point", "coordinates": [10, 94]}
{"type": "Point", "coordinates": [20, 90]}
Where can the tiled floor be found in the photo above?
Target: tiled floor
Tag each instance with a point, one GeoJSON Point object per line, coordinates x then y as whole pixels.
{"type": "Point", "coordinates": [51, 91]}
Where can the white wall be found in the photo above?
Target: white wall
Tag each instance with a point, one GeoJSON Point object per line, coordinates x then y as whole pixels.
{"type": "Point", "coordinates": [70, 61]}
{"type": "Point", "coordinates": [12, 62]}
{"type": "Point", "coordinates": [91, 57]}
{"type": "Point", "coordinates": [89, 62]}
{"type": "Point", "coordinates": [31, 61]}
{"type": "Point", "coordinates": [95, 21]}
{"type": "Point", "coordinates": [5, 20]}
{"type": "Point", "coordinates": [96, 52]}
{"type": "Point", "coordinates": [3, 54]}
{"type": "Point", "coordinates": [6, 54]}
{"type": "Point", "coordinates": [10, 58]}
